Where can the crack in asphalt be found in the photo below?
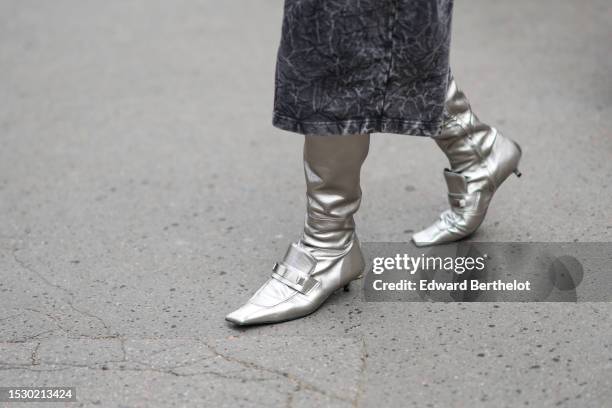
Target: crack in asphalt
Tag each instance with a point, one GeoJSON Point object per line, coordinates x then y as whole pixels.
{"type": "Point", "coordinates": [38, 365]}
{"type": "Point", "coordinates": [302, 384]}
{"type": "Point", "coordinates": [27, 267]}
{"type": "Point", "coordinates": [362, 373]}
{"type": "Point", "coordinates": [34, 356]}
{"type": "Point", "coordinates": [27, 339]}
{"type": "Point", "coordinates": [103, 367]}
{"type": "Point", "coordinates": [67, 292]}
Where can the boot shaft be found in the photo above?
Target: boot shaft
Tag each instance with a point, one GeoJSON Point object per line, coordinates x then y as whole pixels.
{"type": "Point", "coordinates": [332, 166]}
{"type": "Point", "coordinates": [464, 139]}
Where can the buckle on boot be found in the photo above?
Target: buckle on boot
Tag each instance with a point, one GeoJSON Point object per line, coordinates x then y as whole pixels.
{"type": "Point", "coordinates": [295, 270]}
{"type": "Point", "coordinates": [463, 202]}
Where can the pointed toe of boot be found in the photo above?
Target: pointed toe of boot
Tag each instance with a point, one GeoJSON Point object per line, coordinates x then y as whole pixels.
{"type": "Point", "coordinates": [449, 227]}
{"type": "Point", "coordinates": [425, 237]}
{"type": "Point", "coordinates": [238, 317]}
{"type": "Point", "coordinates": [432, 235]}
{"type": "Point", "coordinates": [249, 314]}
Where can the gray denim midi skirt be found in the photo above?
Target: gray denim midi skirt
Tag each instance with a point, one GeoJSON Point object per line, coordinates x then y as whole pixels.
{"type": "Point", "coordinates": [363, 66]}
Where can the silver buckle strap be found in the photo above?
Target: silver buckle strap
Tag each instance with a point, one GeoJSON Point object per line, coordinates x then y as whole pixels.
{"type": "Point", "coordinates": [293, 278]}
{"type": "Point", "coordinates": [299, 259]}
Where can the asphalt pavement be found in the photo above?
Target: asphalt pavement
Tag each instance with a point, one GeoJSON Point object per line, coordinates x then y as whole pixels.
{"type": "Point", "coordinates": [144, 194]}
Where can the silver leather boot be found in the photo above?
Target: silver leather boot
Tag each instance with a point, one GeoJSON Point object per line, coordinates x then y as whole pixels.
{"type": "Point", "coordinates": [480, 160]}
{"type": "Point", "coordinates": [327, 257]}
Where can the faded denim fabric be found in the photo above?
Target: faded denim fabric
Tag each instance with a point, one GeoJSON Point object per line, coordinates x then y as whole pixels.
{"type": "Point", "coordinates": [363, 66]}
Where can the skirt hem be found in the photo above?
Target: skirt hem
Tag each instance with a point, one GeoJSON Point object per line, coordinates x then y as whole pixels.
{"type": "Point", "coordinates": [357, 126]}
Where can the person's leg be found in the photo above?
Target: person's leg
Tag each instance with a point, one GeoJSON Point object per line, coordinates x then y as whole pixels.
{"type": "Point", "coordinates": [480, 160]}
{"type": "Point", "coordinates": [327, 257]}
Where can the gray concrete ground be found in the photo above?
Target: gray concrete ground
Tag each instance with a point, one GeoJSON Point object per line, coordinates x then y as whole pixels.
{"type": "Point", "coordinates": [144, 194]}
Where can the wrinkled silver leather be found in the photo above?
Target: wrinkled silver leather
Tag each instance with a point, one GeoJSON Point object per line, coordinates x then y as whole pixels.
{"type": "Point", "coordinates": [481, 159]}
{"type": "Point", "coordinates": [328, 256]}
